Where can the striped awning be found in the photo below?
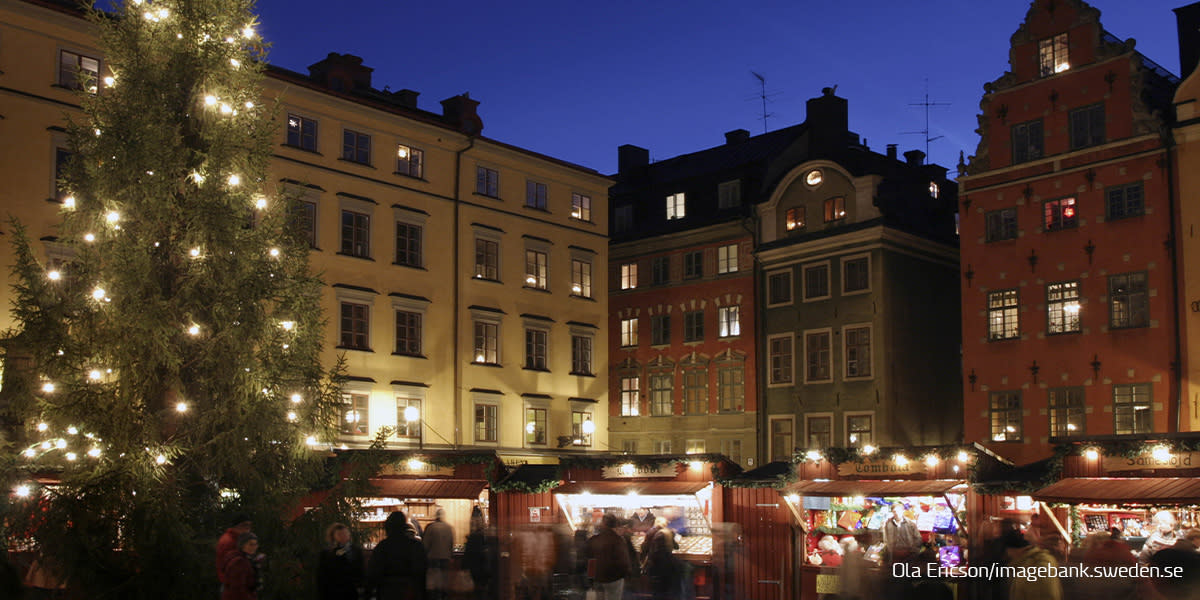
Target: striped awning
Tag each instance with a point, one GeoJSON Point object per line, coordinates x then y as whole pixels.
{"type": "Point", "coordinates": [1125, 490]}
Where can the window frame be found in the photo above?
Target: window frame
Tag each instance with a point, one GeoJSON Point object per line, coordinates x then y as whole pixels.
{"type": "Point", "coordinates": [418, 328]}
{"type": "Point", "coordinates": [1143, 302]}
{"type": "Point", "coordinates": [729, 321]}
{"type": "Point", "coordinates": [402, 423]}
{"type": "Point", "coordinates": [676, 206]}
{"type": "Point", "coordinates": [1001, 225]}
{"type": "Point", "coordinates": [729, 194]}
{"type": "Point", "coordinates": [816, 266]}
{"type": "Point", "coordinates": [691, 374]}
{"type": "Point", "coordinates": [1061, 404]}
{"type": "Point", "coordinates": [351, 403]}
{"type": "Point", "coordinates": [835, 209]}
{"type": "Point", "coordinates": [660, 329]}
{"type": "Point", "coordinates": [789, 358]}
{"type": "Point", "coordinates": [581, 207]}
{"type": "Point", "coordinates": [413, 165]}
{"type": "Point", "coordinates": [870, 350]}
{"type": "Point", "coordinates": [487, 256]}
{"type": "Point", "coordinates": [1029, 131]}
{"type": "Point", "coordinates": [537, 195]}
{"type": "Point", "coordinates": [578, 436]}
{"type": "Point", "coordinates": [809, 334]}
{"type": "Point", "coordinates": [850, 431]}
{"type": "Point", "coordinates": [660, 270]}
{"type": "Point", "coordinates": [1055, 214]}
{"type": "Point", "coordinates": [772, 450]}
{"type": "Point", "coordinates": [693, 264]}
{"type": "Point", "coordinates": [630, 394]}
{"type": "Point", "coordinates": [1090, 122]}
{"type": "Point", "coordinates": [75, 80]}
{"type": "Point", "coordinates": [1125, 202]}
{"type": "Point", "coordinates": [693, 326]}
{"type": "Point", "coordinates": [662, 397]}
{"type": "Point", "coordinates": [352, 146]}
{"type": "Point", "coordinates": [581, 277]}
{"type": "Point", "coordinates": [539, 416]}
{"type": "Point", "coordinates": [358, 244]}
{"type": "Point", "coordinates": [1003, 311]}
{"type": "Point", "coordinates": [485, 335]}
{"type": "Point", "coordinates": [537, 345]}
{"type": "Point", "coordinates": [772, 302]}
{"type": "Point", "coordinates": [410, 251]}
{"type": "Point", "coordinates": [795, 219]}
{"type": "Point", "coordinates": [1118, 407]}
{"type": "Point", "coordinates": [354, 333]}
{"type": "Point", "coordinates": [629, 332]}
{"type": "Point", "coordinates": [537, 269]}
{"type": "Point", "coordinates": [583, 346]}
{"type": "Point", "coordinates": [845, 263]}
{"type": "Point", "coordinates": [628, 275]}
{"type": "Point", "coordinates": [1058, 307]}
{"type": "Point", "coordinates": [1054, 55]}
{"type": "Point", "coordinates": [493, 419]}
{"type": "Point", "coordinates": [297, 132]}
{"type": "Point", "coordinates": [811, 419]}
{"type": "Point", "coordinates": [728, 400]}
{"type": "Point", "coordinates": [1002, 415]}
{"type": "Point", "coordinates": [487, 182]}
{"type": "Point", "coordinates": [727, 258]}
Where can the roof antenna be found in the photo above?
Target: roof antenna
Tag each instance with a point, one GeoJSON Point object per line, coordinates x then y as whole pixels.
{"type": "Point", "coordinates": [925, 132]}
{"type": "Point", "coordinates": [763, 95]}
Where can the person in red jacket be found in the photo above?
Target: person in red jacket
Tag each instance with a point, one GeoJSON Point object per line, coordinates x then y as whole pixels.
{"type": "Point", "coordinates": [241, 570]}
{"type": "Point", "coordinates": [228, 542]}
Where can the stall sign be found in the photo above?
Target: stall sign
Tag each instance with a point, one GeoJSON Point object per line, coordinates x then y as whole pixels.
{"type": "Point", "coordinates": [1146, 460]}
{"type": "Point", "coordinates": [516, 460]}
{"type": "Point", "coordinates": [414, 468]}
{"type": "Point", "coordinates": [630, 471]}
{"type": "Point", "coordinates": [875, 468]}
{"type": "Point", "coordinates": [535, 514]}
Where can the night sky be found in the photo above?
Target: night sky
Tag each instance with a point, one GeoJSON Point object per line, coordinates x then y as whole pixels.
{"type": "Point", "coordinates": [574, 80]}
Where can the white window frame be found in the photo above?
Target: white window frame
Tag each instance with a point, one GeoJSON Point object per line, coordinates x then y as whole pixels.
{"type": "Point", "coordinates": [412, 151]}
{"type": "Point", "coordinates": [581, 207]}
{"type": "Point", "coordinates": [408, 393]}
{"type": "Point", "coordinates": [729, 318]}
{"type": "Point", "coordinates": [791, 287]}
{"type": "Point", "coordinates": [493, 400]}
{"type": "Point", "coordinates": [809, 417]}
{"type": "Point", "coordinates": [846, 259]}
{"type": "Point", "coordinates": [494, 236]}
{"type": "Point", "coordinates": [629, 332]}
{"type": "Point", "coordinates": [695, 446]}
{"type": "Point", "coordinates": [676, 206]}
{"type": "Point", "coordinates": [727, 258]}
{"type": "Point", "coordinates": [362, 207]}
{"type": "Point", "coordinates": [870, 327]}
{"type": "Point", "coordinates": [353, 296]}
{"type": "Point", "coordinates": [587, 440]}
{"type": "Point", "coordinates": [662, 446]}
{"type": "Point", "coordinates": [361, 388]}
{"type": "Point", "coordinates": [490, 318]}
{"type": "Point", "coordinates": [305, 195]}
{"type": "Point", "coordinates": [846, 427]}
{"type": "Point", "coordinates": [583, 277]}
{"type": "Point", "coordinates": [626, 409]}
{"type": "Point", "coordinates": [771, 433]}
{"type": "Point", "coordinates": [412, 305]}
{"type": "Point", "coordinates": [80, 54]}
{"type": "Point", "coordinates": [589, 334]}
{"type": "Point", "coordinates": [536, 404]}
{"type": "Point", "coordinates": [832, 363]}
{"type": "Point", "coordinates": [804, 280]}
{"type": "Point", "coordinates": [629, 275]}
{"type": "Point", "coordinates": [771, 383]}
{"type": "Point", "coordinates": [413, 218]}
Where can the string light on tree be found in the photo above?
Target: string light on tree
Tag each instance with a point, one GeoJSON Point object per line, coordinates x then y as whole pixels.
{"type": "Point", "coordinates": [48, 387]}
{"type": "Point", "coordinates": [30, 453]}
{"type": "Point", "coordinates": [69, 202]}
{"type": "Point", "coordinates": [112, 217]}
{"type": "Point", "coordinates": [235, 180]}
{"type": "Point", "coordinates": [274, 252]}
{"type": "Point", "coordinates": [181, 407]}
{"type": "Point", "coordinates": [194, 330]}
{"type": "Point", "coordinates": [94, 375]}
{"type": "Point", "coordinates": [260, 203]}
{"type": "Point", "coordinates": [94, 452]}
{"type": "Point", "coordinates": [194, 253]}
{"type": "Point", "coordinates": [98, 293]}
{"type": "Point", "coordinates": [22, 491]}
{"type": "Point", "coordinates": [291, 416]}
{"type": "Point", "coordinates": [89, 237]}
{"type": "Point", "coordinates": [296, 399]}
{"type": "Point", "coordinates": [60, 443]}
{"type": "Point", "coordinates": [42, 426]}
{"type": "Point", "coordinates": [287, 325]}
{"type": "Point", "coordinates": [210, 100]}
{"type": "Point", "coordinates": [72, 456]}
{"type": "Point", "coordinates": [54, 275]}
{"type": "Point", "coordinates": [73, 430]}
{"type": "Point", "coordinates": [160, 459]}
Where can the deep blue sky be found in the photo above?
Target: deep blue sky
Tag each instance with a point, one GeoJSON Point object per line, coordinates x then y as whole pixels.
{"type": "Point", "coordinates": [574, 80]}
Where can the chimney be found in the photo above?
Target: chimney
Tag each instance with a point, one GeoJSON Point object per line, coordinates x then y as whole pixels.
{"type": "Point", "coordinates": [630, 157]}
{"type": "Point", "coordinates": [1187, 21]}
{"type": "Point", "coordinates": [736, 136]}
{"type": "Point", "coordinates": [341, 73]}
{"type": "Point", "coordinates": [405, 98]}
{"type": "Point", "coordinates": [915, 158]}
{"type": "Point", "coordinates": [462, 112]}
{"type": "Point", "coordinates": [891, 151]}
{"type": "Point", "coordinates": [828, 121]}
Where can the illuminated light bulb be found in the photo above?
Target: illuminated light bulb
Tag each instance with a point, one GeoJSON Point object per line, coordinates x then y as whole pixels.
{"type": "Point", "coordinates": [163, 13]}
{"type": "Point", "coordinates": [576, 288]}
{"type": "Point", "coordinates": [73, 430]}
{"type": "Point", "coordinates": [94, 375]}
{"type": "Point", "coordinates": [479, 358]}
{"type": "Point", "coordinates": [72, 456]}
{"type": "Point", "coordinates": [248, 32]}
{"type": "Point", "coordinates": [48, 387]}
{"type": "Point", "coordinates": [1091, 454]}
{"type": "Point", "coordinates": [291, 416]}
{"type": "Point", "coordinates": [22, 491]}
{"type": "Point", "coordinates": [230, 39]}
{"type": "Point", "coordinates": [260, 203]}
{"type": "Point", "coordinates": [296, 399]}
{"type": "Point", "coordinates": [1161, 453]}
{"type": "Point", "coordinates": [1071, 427]}
{"type": "Point", "coordinates": [137, 2]}
{"type": "Point", "coordinates": [60, 443]}
{"type": "Point", "coordinates": [901, 460]}
{"type": "Point", "coordinates": [179, 36]}
{"type": "Point", "coordinates": [235, 180]}
{"type": "Point", "coordinates": [69, 202]}
{"type": "Point", "coordinates": [696, 465]}
{"type": "Point", "coordinates": [112, 216]}
{"type": "Point", "coordinates": [412, 413]}
{"type": "Point", "coordinates": [415, 463]}
{"type": "Point", "coordinates": [30, 452]}
{"type": "Point", "coordinates": [628, 469]}
{"type": "Point", "coordinates": [287, 325]}
{"type": "Point", "coordinates": [88, 237]}
{"type": "Point", "coordinates": [149, 16]}
{"type": "Point", "coordinates": [96, 131]}
{"type": "Point", "coordinates": [931, 461]}
{"type": "Point", "coordinates": [160, 459]}
{"type": "Point", "coordinates": [955, 468]}
{"type": "Point", "coordinates": [194, 253]}
{"type": "Point", "coordinates": [110, 81]}
{"type": "Point", "coordinates": [813, 455]}
{"type": "Point", "coordinates": [589, 427]}
{"type": "Point", "coordinates": [266, 392]}
{"type": "Point", "coordinates": [42, 427]}
{"type": "Point", "coordinates": [181, 407]}
{"type": "Point", "coordinates": [197, 177]}
{"type": "Point", "coordinates": [274, 252]}
{"type": "Point", "coordinates": [235, 62]}
{"type": "Point", "coordinates": [46, 446]}
{"type": "Point", "coordinates": [94, 453]}
{"type": "Point", "coordinates": [249, 105]}
{"type": "Point", "coordinates": [54, 275]}
{"type": "Point", "coordinates": [1010, 429]}
{"type": "Point", "coordinates": [194, 330]}
{"type": "Point", "coordinates": [530, 427]}
{"type": "Point", "coordinates": [868, 449]}
{"type": "Point", "coordinates": [210, 100]}
{"type": "Point", "coordinates": [226, 109]}
{"type": "Point", "coordinates": [531, 280]}
{"type": "Point", "coordinates": [286, 346]}
{"type": "Point", "coordinates": [311, 440]}
{"type": "Point", "coordinates": [963, 456]}
{"type": "Point", "coordinates": [98, 294]}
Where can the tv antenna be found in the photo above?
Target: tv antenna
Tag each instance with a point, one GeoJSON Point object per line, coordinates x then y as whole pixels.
{"type": "Point", "coordinates": [764, 96]}
{"type": "Point", "coordinates": [926, 104]}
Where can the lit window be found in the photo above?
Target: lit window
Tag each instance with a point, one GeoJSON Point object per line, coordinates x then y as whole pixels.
{"type": "Point", "coordinates": [581, 207]}
{"type": "Point", "coordinates": [410, 161]}
{"type": "Point", "coordinates": [629, 397]}
{"type": "Point", "coordinates": [1060, 214]}
{"type": "Point", "coordinates": [1005, 409]}
{"type": "Point", "coordinates": [487, 346]}
{"type": "Point", "coordinates": [302, 133]}
{"type": "Point", "coordinates": [835, 209]}
{"type": "Point", "coordinates": [1003, 311]}
{"type": "Point", "coordinates": [727, 259]}
{"type": "Point", "coordinates": [860, 430]}
{"type": "Point", "coordinates": [661, 394]}
{"type": "Point", "coordinates": [580, 434]}
{"type": "Point", "coordinates": [629, 332]}
{"type": "Point", "coordinates": [1067, 412]}
{"type": "Point", "coordinates": [535, 426]}
{"type": "Point", "coordinates": [1132, 408]}
{"type": "Point", "coordinates": [404, 427]}
{"type": "Point", "coordinates": [581, 278]}
{"type": "Point", "coordinates": [1062, 307]}
{"type": "Point", "coordinates": [933, 189]}
{"type": "Point", "coordinates": [629, 273]}
{"type": "Point", "coordinates": [795, 218]}
{"type": "Point", "coordinates": [728, 321]}
{"type": "Point", "coordinates": [355, 414]}
{"type": "Point", "coordinates": [858, 351]}
{"type": "Point", "coordinates": [676, 206]}
{"type": "Point", "coordinates": [1053, 55]}
{"type": "Point", "coordinates": [536, 269]}
{"type": "Point", "coordinates": [814, 177]}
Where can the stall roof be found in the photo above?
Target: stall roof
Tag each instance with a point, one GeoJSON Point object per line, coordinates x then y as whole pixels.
{"type": "Point", "coordinates": [874, 487]}
{"type": "Point", "coordinates": [430, 488]}
{"type": "Point", "coordinates": [1147, 490]}
{"type": "Point", "coordinates": [663, 488]}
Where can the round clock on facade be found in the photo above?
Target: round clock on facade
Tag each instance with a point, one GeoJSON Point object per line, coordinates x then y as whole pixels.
{"type": "Point", "coordinates": [814, 177]}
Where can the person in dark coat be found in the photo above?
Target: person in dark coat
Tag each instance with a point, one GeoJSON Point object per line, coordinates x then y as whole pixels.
{"type": "Point", "coordinates": [340, 570]}
{"type": "Point", "coordinates": [611, 566]}
{"type": "Point", "coordinates": [241, 570]}
{"type": "Point", "coordinates": [396, 570]}
{"type": "Point", "coordinates": [659, 560]}
{"type": "Point", "coordinates": [228, 541]}
{"type": "Point", "coordinates": [476, 555]}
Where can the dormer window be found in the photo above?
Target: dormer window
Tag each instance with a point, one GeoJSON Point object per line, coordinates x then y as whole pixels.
{"type": "Point", "coordinates": [933, 189]}
{"type": "Point", "coordinates": [676, 206]}
{"type": "Point", "coordinates": [1053, 55]}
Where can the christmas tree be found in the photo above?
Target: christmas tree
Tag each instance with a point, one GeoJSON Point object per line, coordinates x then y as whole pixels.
{"type": "Point", "coordinates": [166, 373]}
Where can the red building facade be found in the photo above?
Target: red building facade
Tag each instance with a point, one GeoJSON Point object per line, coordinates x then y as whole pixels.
{"type": "Point", "coordinates": [1069, 325]}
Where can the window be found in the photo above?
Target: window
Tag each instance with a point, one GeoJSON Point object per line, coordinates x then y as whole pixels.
{"type": "Point", "coordinates": [662, 446]}
{"type": "Point", "coordinates": [535, 195]}
{"type": "Point", "coordinates": [580, 435]}
{"type": "Point", "coordinates": [408, 333]}
{"type": "Point", "coordinates": [404, 427]}
{"type": "Point", "coordinates": [1053, 55]}
{"type": "Point", "coordinates": [695, 447]}
{"type": "Point", "coordinates": [728, 321]}
{"type": "Point", "coordinates": [629, 397]}
{"type": "Point", "coordinates": [629, 279]}
{"type": "Point", "coordinates": [355, 409]}
{"type": "Point", "coordinates": [487, 259]}
{"type": "Point", "coordinates": [934, 190]}
{"type": "Point", "coordinates": [1062, 307]}
{"type": "Point", "coordinates": [693, 326]}
{"type": "Point", "coordinates": [693, 265]}
{"type": "Point", "coordinates": [487, 182]}
{"type": "Point", "coordinates": [1066, 411]}
{"type": "Point", "coordinates": [629, 446]}
{"type": "Point", "coordinates": [856, 274]}
{"type": "Point", "coordinates": [355, 321]}
{"type": "Point", "coordinates": [1087, 126]}
{"type": "Point", "coordinates": [858, 351]}
{"type": "Point", "coordinates": [727, 259]}
{"type": "Point", "coordinates": [816, 282]}
{"type": "Point", "coordinates": [795, 219]}
{"type": "Point", "coordinates": [629, 332]}
{"type": "Point", "coordinates": [535, 349]}
{"type": "Point", "coordinates": [581, 207]}
{"type": "Point", "coordinates": [1002, 315]}
{"type": "Point", "coordinates": [623, 218]}
{"type": "Point", "coordinates": [61, 156]}
{"type": "Point", "coordinates": [74, 70]}
{"type": "Point", "coordinates": [779, 288]}
{"type": "Point", "coordinates": [581, 355]}
{"type": "Point", "coordinates": [860, 430]}
{"type": "Point", "coordinates": [1059, 214]}
{"type": "Point", "coordinates": [835, 209]}
{"type": "Point", "coordinates": [356, 234]}
{"type": "Point", "coordinates": [1129, 304]}
{"type": "Point", "coordinates": [356, 147]}
{"type": "Point", "coordinates": [695, 391]}
{"type": "Point", "coordinates": [782, 440]}
{"type": "Point", "coordinates": [660, 330]}
{"type": "Point", "coordinates": [816, 352]}
{"type": "Point", "coordinates": [408, 244]}
{"type": "Point", "coordinates": [779, 350]}
{"type": "Point", "coordinates": [487, 348]}
{"type": "Point", "coordinates": [581, 278]}
{"type": "Point", "coordinates": [535, 426]}
{"type": "Point", "coordinates": [731, 388]}
{"type": "Point", "coordinates": [732, 449]}
{"type": "Point", "coordinates": [729, 194]}
{"type": "Point", "coordinates": [1006, 416]}
{"type": "Point", "coordinates": [410, 161]}
{"type": "Point", "coordinates": [1001, 224]}
{"type": "Point", "coordinates": [676, 206]}
{"type": "Point", "coordinates": [819, 432]}
{"type": "Point", "coordinates": [486, 429]}
{"type": "Point", "coordinates": [1027, 141]}
{"type": "Point", "coordinates": [660, 270]}
{"type": "Point", "coordinates": [661, 391]}
{"type": "Point", "coordinates": [536, 269]}
{"type": "Point", "coordinates": [304, 221]}
{"type": "Point", "coordinates": [1123, 201]}
{"type": "Point", "coordinates": [302, 133]}
{"type": "Point", "coordinates": [1132, 409]}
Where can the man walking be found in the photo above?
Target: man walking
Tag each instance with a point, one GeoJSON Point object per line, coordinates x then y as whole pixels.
{"type": "Point", "coordinates": [439, 546]}
{"type": "Point", "coordinates": [608, 560]}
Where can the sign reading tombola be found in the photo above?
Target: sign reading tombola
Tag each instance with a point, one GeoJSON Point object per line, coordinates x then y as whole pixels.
{"type": "Point", "coordinates": [630, 471]}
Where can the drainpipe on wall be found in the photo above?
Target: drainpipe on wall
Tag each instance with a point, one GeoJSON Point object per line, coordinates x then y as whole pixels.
{"type": "Point", "coordinates": [751, 225]}
{"type": "Point", "coordinates": [1173, 255]}
{"type": "Point", "coordinates": [458, 395]}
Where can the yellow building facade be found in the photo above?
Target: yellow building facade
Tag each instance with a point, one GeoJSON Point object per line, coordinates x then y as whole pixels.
{"type": "Point", "coordinates": [464, 276]}
{"type": "Point", "coordinates": [1187, 185]}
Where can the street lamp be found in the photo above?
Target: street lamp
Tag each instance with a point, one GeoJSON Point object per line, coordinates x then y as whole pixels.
{"type": "Point", "coordinates": [412, 415]}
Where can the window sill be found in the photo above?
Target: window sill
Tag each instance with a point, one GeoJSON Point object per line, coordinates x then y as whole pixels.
{"type": "Point", "coordinates": [536, 289]}
{"type": "Point", "coordinates": [739, 411]}
{"type": "Point", "coordinates": [301, 148]}
{"type": "Point", "coordinates": [693, 342]}
{"type": "Point", "coordinates": [1063, 333]}
{"type": "Point", "coordinates": [1004, 339]}
{"type": "Point", "coordinates": [997, 241]}
{"type": "Point", "coordinates": [860, 378]}
{"type": "Point", "coordinates": [407, 355]}
{"type": "Point", "coordinates": [415, 267]}
{"type": "Point", "coordinates": [486, 364]}
{"type": "Point", "coordinates": [1112, 327]}
{"type": "Point", "coordinates": [580, 374]}
{"type": "Point", "coordinates": [407, 176]}
{"type": "Point", "coordinates": [488, 196]}
{"type": "Point", "coordinates": [486, 280]}
{"type": "Point", "coordinates": [660, 346]}
{"type": "Point", "coordinates": [1110, 218]}
{"type": "Point", "coordinates": [579, 220]}
{"type": "Point", "coordinates": [540, 209]}
{"type": "Point", "coordinates": [355, 256]}
{"type": "Point", "coordinates": [355, 162]}
{"type": "Point", "coordinates": [856, 292]}
{"type": "Point", "coordinates": [730, 338]}
{"type": "Point", "coordinates": [628, 347]}
{"type": "Point", "coordinates": [817, 298]}
{"type": "Point", "coordinates": [581, 297]}
{"type": "Point", "coordinates": [536, 369]}
{"type": "Point", "coordinates": [355, 348]}
{"type": "Point", "coordinates": [818, 381]}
